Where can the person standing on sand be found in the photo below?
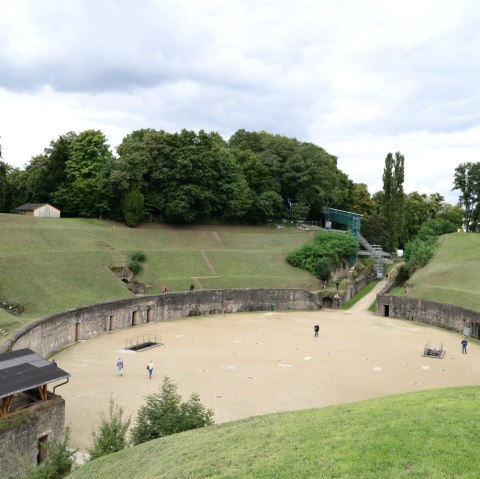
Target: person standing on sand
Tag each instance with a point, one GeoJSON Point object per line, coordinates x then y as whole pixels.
{"type": "Point", "coordinates": [150, 369]}
{"type": "Point", "coordinates": [464, 346]}
{"type": "Point", "coordinates": [120, 366]}
{"type": "Point", "coordinates": [316, 328]}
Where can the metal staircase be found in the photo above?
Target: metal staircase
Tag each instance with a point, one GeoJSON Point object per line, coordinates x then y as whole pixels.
{"type": "Point", "coordinates": [377, 252]}
{"type": "Point", "coordinates": [352, 222]}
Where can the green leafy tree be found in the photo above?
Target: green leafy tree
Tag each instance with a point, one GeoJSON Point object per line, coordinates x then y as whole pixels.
{"type": "Point", "coordinates": [435, 203]}
{"type": "Point", "coordinates": [421, 249]}
{"type": "Point", "coordinates": [3, 187]}
{"type": "Point", "coordinates": [323, 269]}
{"type": "Point", "coordinates": [88, 188]}
{"type": "Point", "coordinates": [165, 413]}
{"type": "Point", "coordinates": [111, 434]}
{"type": "Point", "coordinates": [363, 203]}
{"type": "Point", "coordinates": [336, 247]}
{"type": "Point", "coordinates": [453, 213]}
{"type": "Point", "coordinates": [133, 207]}
{"type": "Point", "coordinates": [58, 153]}
{"type": "Point", "coordinates": [392, 208]}
{"type": "Point", "coordinates": [374, 229]}
{"type": "Point", "coordinates": [417, 211]}
{"type": "Point", "coordinates": [467, 181]}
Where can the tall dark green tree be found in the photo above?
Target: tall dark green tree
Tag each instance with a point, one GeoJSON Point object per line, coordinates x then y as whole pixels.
{"type": "Point", "coordinates": [467, 181]}
{"type": "Point", "coordinates": [393, 205]}
{"type": "Point", "coordinates": [133, 207]}
{"type": "Point", "coordinates": [3, 186]}
{"type": "Point", "coordinates": [88, 188]}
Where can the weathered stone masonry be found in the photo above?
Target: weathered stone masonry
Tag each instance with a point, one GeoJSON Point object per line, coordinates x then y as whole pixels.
{"type": "Point", "coordinates": [19, 444]}
{"type": "Point", "coordinates": [51, 334]}
{"type": "Point", "coordinates": [454, 318]}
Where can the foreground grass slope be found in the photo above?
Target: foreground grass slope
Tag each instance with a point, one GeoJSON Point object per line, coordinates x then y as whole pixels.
{"type": "Point", "coordinates": [49, 265]}
{"type": "Point", "coordinates": [430, 434]}
{"type": "Point", "coordinates": [453, 275]}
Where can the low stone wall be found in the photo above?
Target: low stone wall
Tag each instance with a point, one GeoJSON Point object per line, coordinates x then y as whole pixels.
{"type": "Point", "coordinates": [442, 315]}
{"type": "Point", "coordinates": [21, 432]}
{"type": "Point", "coordinates": [51, 334]}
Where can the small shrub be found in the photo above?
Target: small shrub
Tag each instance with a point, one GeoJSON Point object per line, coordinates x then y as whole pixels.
{"type": "Point", "coordinates": [111, 434]}
{"type": "Point", "coordinates": [139, 256]}
{"type": "Point", "coordinates": [135, 267]}
{"type": "Point", "coordinates": [58, 464]}
{"type": "Point", "coordinates": [165, 414]}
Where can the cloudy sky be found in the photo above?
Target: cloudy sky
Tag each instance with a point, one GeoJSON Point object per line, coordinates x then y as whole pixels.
{"type": "Point", "coordinates": [359, 79]}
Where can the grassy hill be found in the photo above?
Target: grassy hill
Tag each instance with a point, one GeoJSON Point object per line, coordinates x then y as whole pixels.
{"type": "Point", "coordinates": [430, 434]}
{"type": "Point", "coordinates": [453, 275]}
{"type": "Point", "coordinates": [49, 265]}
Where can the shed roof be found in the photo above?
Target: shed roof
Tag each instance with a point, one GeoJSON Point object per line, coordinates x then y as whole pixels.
{"type": "Point", "coordinates": [30, 206]}
{"type": "Point", "coordinates": [24, 369]}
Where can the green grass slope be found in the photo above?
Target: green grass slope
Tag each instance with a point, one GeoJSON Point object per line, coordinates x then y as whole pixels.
{"type": "Point", "coordinates": [49, 265]}
{"type": "Point", "coordinates": [453, 274]}
{"type": "Point", "coordinates": [430, 434]}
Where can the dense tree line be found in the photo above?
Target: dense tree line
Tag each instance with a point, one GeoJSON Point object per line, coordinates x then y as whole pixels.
{"type": "Point", "coordinates": [184, 177]}
{"type": "Point", "coordinates": [191, 177]}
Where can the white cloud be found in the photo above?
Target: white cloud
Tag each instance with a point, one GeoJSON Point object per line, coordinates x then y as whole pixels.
{"type": "Point", "coordinates": [357, 78]}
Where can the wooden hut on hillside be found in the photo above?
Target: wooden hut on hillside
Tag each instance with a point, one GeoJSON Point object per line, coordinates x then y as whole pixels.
{"type": "Point", "coordinates": [41, 210]}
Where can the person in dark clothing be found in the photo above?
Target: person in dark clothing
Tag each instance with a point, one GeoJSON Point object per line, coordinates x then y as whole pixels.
{"type": "Point", "coordinates": [316, 328]}
{"type": "Point", "coordinates": [464, 346]}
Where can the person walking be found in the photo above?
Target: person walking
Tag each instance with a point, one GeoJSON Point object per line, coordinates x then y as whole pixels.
{"type": "Point", "coordinates": [316, 328]}
{"type": "Point", "coordinates": [150, 369]}
{"type": "Point", "coordinates": [464, 346]}
{"type": "Point", "coordinates": [120, 367]}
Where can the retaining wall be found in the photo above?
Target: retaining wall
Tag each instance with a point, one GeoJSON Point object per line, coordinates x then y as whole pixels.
{"type": "Point", "coordinates": [442, 315]}
{"type": "Point", "coordinates": [51, 334]}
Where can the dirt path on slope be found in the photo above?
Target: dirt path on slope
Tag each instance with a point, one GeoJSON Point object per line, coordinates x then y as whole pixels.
{"type": "Point", "coordinates": [249, 364]}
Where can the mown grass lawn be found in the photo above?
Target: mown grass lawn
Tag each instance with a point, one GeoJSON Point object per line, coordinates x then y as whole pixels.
{"type": "Point", "coordinates": [428, 434]}
{"type": "Point", "coordinates": [49, 265]}
{"type": "Point", "coordinates": [453, 275]}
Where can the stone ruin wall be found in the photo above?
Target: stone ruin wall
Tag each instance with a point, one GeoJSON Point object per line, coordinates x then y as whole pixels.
{"type": "Point", "coordinates": [19, 444]}
{"type": "Point", "coordinates": [49, 335]}
{"type": "Point", "coordinates": [442, 315]}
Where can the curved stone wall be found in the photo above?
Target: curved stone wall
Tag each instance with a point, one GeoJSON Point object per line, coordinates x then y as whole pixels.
{"type": "Point", "coordinates": [448, 316]}
{"type": "Point", "coordinates": [51, 334]}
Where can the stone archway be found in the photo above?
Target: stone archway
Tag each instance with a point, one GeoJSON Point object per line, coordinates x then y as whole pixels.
{"type": "Point", "coordinates": [327, 302]}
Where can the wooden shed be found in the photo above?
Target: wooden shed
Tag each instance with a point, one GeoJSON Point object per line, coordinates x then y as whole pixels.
{"type": "Point", "coordinates": [41, 210]}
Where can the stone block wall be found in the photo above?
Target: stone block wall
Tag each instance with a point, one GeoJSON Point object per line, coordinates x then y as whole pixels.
{"type": "Point", "coordinates": [50, 334]}
{"type": "Point", "coordinates": [19, 442]}
{"type": "Point", "coordinates": [434, 313]}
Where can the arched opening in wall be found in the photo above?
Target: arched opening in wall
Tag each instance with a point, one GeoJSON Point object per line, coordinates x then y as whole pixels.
{"type": "Point", "coordinates": [327, 302]}
{"type": "Point", "coordinates": [42, 451]}
{"type": "Point", "coordinates": [77, 331]}
{"type": "Point", "coordinates": [134, 318]}
{"type": "Point", "coordinates": [149, 315]}
{"type": "Point", "coordinates": [386, 310]}
{"type": "Point", "coordinates": [475, 330]}
{"type": "Point", "coordinates": [111, 322]}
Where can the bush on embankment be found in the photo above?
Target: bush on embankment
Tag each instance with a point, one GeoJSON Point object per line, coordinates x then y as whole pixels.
{"type": "Point", "coordinates": [423, 434]}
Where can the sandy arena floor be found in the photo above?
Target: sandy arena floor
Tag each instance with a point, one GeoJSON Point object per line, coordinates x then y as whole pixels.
{"type": "Point", "coordinates": [249, 364]}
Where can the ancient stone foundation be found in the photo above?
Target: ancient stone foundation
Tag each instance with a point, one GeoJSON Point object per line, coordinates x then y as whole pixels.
{"type": "Point", "coordinates": [447, 316]}
{"type": "Point", "coordinates": [51, 334]}
{"type": "Point", "coordinates": [23, 434]}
